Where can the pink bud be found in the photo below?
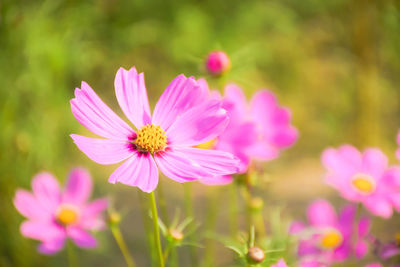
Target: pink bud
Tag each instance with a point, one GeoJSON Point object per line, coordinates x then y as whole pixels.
{"type": "Point", "coordinates": [218, 63]}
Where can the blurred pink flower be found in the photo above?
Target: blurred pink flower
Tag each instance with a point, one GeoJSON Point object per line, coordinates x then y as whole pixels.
{"type": "Point", "coordinates": [181, 120]}
{"type": "Point", "coordinates": [364, 178]}
{"type": "Point", "coordinates": [54, 214]}
{"type": "Point", "coordinates": [329, 238]}
{"type": "Point", "coordinates": [218, 62]}
{"type": "Point", "coordinates": [258, 130]}
{"type": "Point", "coordinates": [280, 263]}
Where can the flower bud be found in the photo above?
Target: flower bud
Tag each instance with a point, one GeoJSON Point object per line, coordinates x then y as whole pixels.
{"type": "Point", "coordinates": [114, 218]}
{"type": "Point", "coordinates": [176, 235]}
{"type": "Point", "coordinates": [256, 204]}
{"type": "Point", "coordinates": [217, 63]}
{"type": "Point", "coordinates": [255, 255]}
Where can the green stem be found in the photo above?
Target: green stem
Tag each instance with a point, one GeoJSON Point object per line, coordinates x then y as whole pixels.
{"type": "Point", "coordinates": [211, 219]}
{"type": "Point", "coordinates": [122, 245]}
{"type": "Point", "coordinates": [156, 230]}
{"type": "Point", "coordinates": [72, 262]}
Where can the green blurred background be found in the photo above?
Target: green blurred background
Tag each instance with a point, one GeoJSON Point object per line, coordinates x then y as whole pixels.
{"type": "Point", "coordinates": [335, 63]}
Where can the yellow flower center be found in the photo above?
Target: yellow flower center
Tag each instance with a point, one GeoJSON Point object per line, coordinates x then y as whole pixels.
{"type": "Point", "coordinates": [398, 239]}
{"type": "Point", "coordinates": [67, 214]}
{"type": "Point", "coordinates": [363, 183]}
{"type": "Point", "coordinates": [207, 145]}
{"type": "Point", "coordinates": [331, 240]}
{"type": "Point", "coordinates": [151, 138]}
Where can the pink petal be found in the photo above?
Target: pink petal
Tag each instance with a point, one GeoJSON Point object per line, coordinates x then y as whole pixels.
{"type": "Point", "coordinates": [379, 206]}
{"type": "Point", "coordinates": [47, 191]}
{"type": "Point", "coordinates": [81, 237]}
{"type": "Point", "coordinates": [213, 161]}
{"type": "Point", "coordinates": [361, 249]}
{"type": "Point", "coordinates": [96, 116]}
{"type": "Point", "coordinates": [79, 186]}
{"type": "Point", "coordinates": [217, 180]}
{"type": "Point", "coordinates": [235, 102]}
{"type": "Point", "coordinates": [364, 226]}
{"type": "Point", "coordinates": [395, 199]}
{"type": "Point", "coordinates": [198, 125]}
{"type": "Point", "coordinates": [345, 160]}
{"type": "Point", "coordinates": [296, 227]}
{"type": "Point", "coordinates": [280, 263]}
{"type": "Point", "coordinates": [177, 166]}
{"type": "Point", "coordinates": [27, 205]}
{"type": "Point", "coordinates": [139, 170]}
{"type": "Point", "coordinates": [103, 151]}
{"type": "Point", "coordinates": [346, 220]}
{"type": "Point", "coordinates": [321, 213]}
{"type": "Point", "coordinates": [52, 246]}
{"type": "Point", "coordinates": [181, 95]}
{"type": "Point", "coordinates": [91, 215]}
{"type": "Point", "coordinates": [374, 162]}
{"type": "Point", "coordinates": [132, 96]}
{"type": "Point", "coordinates": [43, 231]}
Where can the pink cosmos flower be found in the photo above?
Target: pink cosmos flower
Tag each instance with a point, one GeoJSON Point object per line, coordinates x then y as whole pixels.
{"type": "Point", "coordinates": [54, 214]}
{"type": "Point", "coordinates": [218, 62]}
{"type": "Point", "coordinates": [364, 178]}
{"type": "Point", "coordinates": [166, 140]}
{"type": "Point", "coordinates": [280, 263]}
{"type": "Point", "coordinates": [329, 238]}
{"type": "Point", "coordinates": [258, 130]}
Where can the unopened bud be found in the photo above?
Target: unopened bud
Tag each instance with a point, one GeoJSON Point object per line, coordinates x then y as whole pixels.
{"type": "Point", "coordinates": [218, 63]}
{"type": "Point", "coordinates": [255, 255]}
{"type": "Point", "coordinates": [114, 218]}
{"type": "Point", "coordinates": [256, 204]}
{"type": "Point", "coordinates": [176, 234]}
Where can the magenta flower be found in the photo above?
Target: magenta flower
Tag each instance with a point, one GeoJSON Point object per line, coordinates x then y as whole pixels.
{"type": "Point", "coordinates": [218, 62]}
{"type": "Point", "coordinates": [53, 215]}
{"type": "Point", "coordinates": [329, 238]}
{"type": "Point", "coordinates": [259, 130]}
{"type": "Point", "coordinates": [364, 178]}
{"type": "Point", "coordinates": [280, 263]}
{"type": "Point", "coordinates": [181, 120]}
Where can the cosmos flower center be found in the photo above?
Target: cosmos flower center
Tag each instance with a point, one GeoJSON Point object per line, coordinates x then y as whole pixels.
{"type": "Point", "coordinates": [331, 239]}
{"type": "Point", "coordinates": [67, 214]}
{"type": "Point", "coordinates": [363, 183]}
{"type": "Point", "coordinates": [151, 138]}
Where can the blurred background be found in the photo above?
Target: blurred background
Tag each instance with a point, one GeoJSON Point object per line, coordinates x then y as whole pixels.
{"type": "Point", "coordinates": [335, 63]}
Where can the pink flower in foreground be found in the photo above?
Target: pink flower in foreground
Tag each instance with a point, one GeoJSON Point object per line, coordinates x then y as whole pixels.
{"type": "Point", "coordinates": [54, 214]}
{"type": "Point", "coordinates": [218, 62]}
{"type": "Point", "coordinates": [329, 238]}
{"type": "Point", "coordinates": [280, 263]}
{"type": "Point", "coordinates": [364, 178]}
{"type": "Point", "coordinates": [258, 130]}
{"type": "Point", "coordinates": [181, 120]}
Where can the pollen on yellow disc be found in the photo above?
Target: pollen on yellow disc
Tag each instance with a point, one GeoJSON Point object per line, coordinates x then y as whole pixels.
{"type": "Point", "coordinates": [67, 215]}
{"type": "Point", "coordinates": [363, 183]}
{"type": "Point", "coordinates": [207, 145]}
{"type": "Point", "coordinates": [331, 240]}
{"type": "Point", "coordinates": [151, 138]}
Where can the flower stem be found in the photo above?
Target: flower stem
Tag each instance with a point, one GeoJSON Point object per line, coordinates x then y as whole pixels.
{"type": "Point", "coordinates": [156, 230]}
{"type": "Point", "coordinates": [233, 211]}
{"type": "Point", "coordinates": [72, 262]}
{"type": "Point", "coordinates": [122, 245]}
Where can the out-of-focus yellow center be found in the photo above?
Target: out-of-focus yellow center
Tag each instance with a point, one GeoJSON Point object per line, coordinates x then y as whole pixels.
{"type": "Point", "coordinates": [331, 240]}
{"type": "Point", "coordinates": [151, 138]}
{"type": "Point", "coordinates": [363, 183]}
{"type": "Point", "coordinates": [67, 214]}
{"type": "Point", "coordinates": [207, 145]}
{"type": "Point", "coordinates": [398, 239]}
